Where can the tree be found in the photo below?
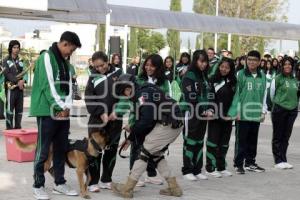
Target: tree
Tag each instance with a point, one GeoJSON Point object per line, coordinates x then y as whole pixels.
{"type": "Point", "coordinates": [133, 43]}
{"type": "Point", "coordinates": [27, 56]}
{"type": "Point", "coordinates": [267, 10]}
{"type": "Point", "coordinates": [100, 34]}
{"type": "Point", "coordinates": [173, 36]}
{"type": "Point", "coordinates": [150, 42]}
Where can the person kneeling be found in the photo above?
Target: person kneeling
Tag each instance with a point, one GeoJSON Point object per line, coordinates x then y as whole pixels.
{"type": "Point", "coordinates": [155, 133]}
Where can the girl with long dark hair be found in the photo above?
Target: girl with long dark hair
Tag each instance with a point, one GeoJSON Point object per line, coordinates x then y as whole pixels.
{"type": "Point", "coordinates": [219, 129]}
{"type": "Point", "coordinates": [195, 103]}
{"type": "Point", "coordinates": [182, 66]}
{"type": "Point", "coordinates": [169, 68]}
{"type": "Point", "coordinates": [285, 96]}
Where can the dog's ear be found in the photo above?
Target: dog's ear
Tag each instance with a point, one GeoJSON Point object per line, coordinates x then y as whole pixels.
{"type": "Point", "coordinates": [100, 137]}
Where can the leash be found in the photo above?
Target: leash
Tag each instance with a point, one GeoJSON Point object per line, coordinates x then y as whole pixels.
{"type": "Point", "coordinates": [122, 147]}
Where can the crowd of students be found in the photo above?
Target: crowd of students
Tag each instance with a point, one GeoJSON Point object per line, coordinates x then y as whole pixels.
{"type": "Point", "coordinates": [209, 91]}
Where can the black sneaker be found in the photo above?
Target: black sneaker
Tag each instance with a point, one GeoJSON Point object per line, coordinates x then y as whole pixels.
{"type": "Point", "coordinates": [239, 170]}
{"type": "Point", "coordinates": [254, 168]}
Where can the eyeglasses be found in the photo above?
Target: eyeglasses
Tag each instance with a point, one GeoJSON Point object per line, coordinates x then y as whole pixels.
{"type": "Point", "coordinates": [252, 59]}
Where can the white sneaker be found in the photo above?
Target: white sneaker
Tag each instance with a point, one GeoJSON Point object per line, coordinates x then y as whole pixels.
{"type": "Point", "coordinates": [190, 177]}
{"type": "Point", "coordinates": [214, 174]}
{"type": "Point", "coordinates": [154, 180]}
{"type": "Point", "coordinates": [288, 166]}
{"type": "Point", "coordinates": [201, 177]}
{"type": "Point", "coordinates": [226, 173]}
{"type": "Point", "coordinates": [40, 193]}
{"type": "Point", "coordinates": [280, 166]}
{"type": "Point", "coordinates": [105, 185]}
{"type": "Point", "coordinates": [64, 189]}
{"type": "Point", "coordinates": [94, 188]}
{"type": "Point", "coordinates": [140, 183]}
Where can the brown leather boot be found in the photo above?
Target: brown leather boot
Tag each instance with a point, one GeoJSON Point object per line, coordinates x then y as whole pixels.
{"type": "Point", "coordinates": [173, 189]}
{"type": "Point", "coordinates": [124, 190]}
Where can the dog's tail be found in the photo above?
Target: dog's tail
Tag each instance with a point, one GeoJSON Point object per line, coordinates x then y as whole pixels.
{"type": "Point", "coordinates": [25, 147]}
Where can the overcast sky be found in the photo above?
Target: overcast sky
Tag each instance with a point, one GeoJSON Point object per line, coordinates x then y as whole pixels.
{"type": "Point", "coordinates": [28, 26]}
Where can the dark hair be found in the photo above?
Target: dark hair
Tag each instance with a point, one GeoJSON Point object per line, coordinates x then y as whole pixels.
{"type": "Point", "coordinates": [11, 44]}
{"type": "Point", "coordinates": [240, 66]}
{"type": "Point", "coordinates": [114, 57]}
{"type": "Point", "coordinates": [254, 53]}
{"type": "Point", "coordinates": [266, 68]}
{"type": "Point", "coordinates": [70, 37]}
{"type": "Point", "coordinates": [157, 62]}
{"type": "Point", "coordinates": [231, 76]}
{"type": "Point", "coordinates": [185, 54]}
{"type": "Point", "coordinates": [171, 58]}
{"type": "Point", "coordinates": [210, 48]}
{"type": "Point", "coordinates": [290, 59]}
{"type": "Point", "coordinates": [100, 55]}
{"type": "Point", "coordinates": [199, 54]}
{"type": "Point", "coordinates": [42, 51]}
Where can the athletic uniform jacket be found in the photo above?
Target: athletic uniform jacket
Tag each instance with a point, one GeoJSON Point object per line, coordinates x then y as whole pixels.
{"type": "Point", "coordinates": [250, 97]}
{"type": "Point", "coordinates": [99, 97]}
{"type": "Point", "coordinates": [196, 89]}
{"type": "Point", "coordinates": [48, 97]}
{"type": "Point", "coordinates": [12, 69]}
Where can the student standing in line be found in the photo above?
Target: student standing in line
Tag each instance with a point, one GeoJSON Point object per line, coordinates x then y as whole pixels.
{"type": "Point", "coordinates": [99, 101]}
{"type": "Point", "coordinates": [169, 68]}
{"type": "Point", "coordinates": [13, 66]}
{"type": "Point", "coordinates": [195, 103]}
{"type": "Point", "coordinates": [285, 96]}
{"type": "Point", "coordinates": [219, 130]}
{"type": "Point", "coordinates": [182, 66]}
{"type": "Point", "coordinates": [270, 74]}
{"type": "Point", "coordinates": [249, 109]}
{"type": "Point", "coordinates": [51, 101]}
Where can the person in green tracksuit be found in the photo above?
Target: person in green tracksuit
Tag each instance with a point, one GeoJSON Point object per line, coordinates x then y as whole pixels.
{"type": "Point", "coordinates": [284, 93]}
{"type": "Point", "coordinates": [249, 109]}
{"type": "Point", "coordinates": [152, 72]}
{"type": "Point", "coordinates": [195, 103]}
{"type": "Point", "coordinates": [51, 100]}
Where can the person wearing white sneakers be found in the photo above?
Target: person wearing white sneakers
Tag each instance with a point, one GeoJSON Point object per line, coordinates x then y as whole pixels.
{"type": "Point", "coordinates": [219, 130]}
{"type": "Point", "coordinates": [51, 100]}
{"type": "Point", "coordinates": [284, 94]}
{"type": "Point", "coordinates": [195, 103]}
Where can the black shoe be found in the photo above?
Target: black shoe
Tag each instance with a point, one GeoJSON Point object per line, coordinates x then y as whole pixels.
{"type": "Point", "coordinates": [239, 170]}
{"type": "Point", "coordinates": [254, 168]}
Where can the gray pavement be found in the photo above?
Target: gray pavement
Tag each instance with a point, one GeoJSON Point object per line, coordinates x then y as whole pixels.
{"type": "Point", "coordinates": [16, 178]}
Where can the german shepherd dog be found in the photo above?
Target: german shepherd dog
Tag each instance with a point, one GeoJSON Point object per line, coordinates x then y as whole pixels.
{"type": "Point", "coordinates": [78, 159]}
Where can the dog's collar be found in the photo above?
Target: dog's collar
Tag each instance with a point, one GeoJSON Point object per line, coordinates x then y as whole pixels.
{"type": "Point", "coordinates": [96, 146]}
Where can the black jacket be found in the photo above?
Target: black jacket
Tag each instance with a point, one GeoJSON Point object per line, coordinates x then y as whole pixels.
{"type": "Point", "coordinates": [12, 69]}
{"type": "Point", "coordinates": [133, 69]}
{"type": "Point", "coordinates": [224, 93]}
{"type": "Point", "coordinates": [148, 99]}
{"type": "Point", "coordinates": [99, 97]}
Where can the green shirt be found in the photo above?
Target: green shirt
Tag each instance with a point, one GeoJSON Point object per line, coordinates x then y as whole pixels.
{"type": "Point", "coordinates": [47, 98]}
{"type": "Point", "coordinates": [249, 99]}
{"type": "Point", "coordinates": [284, 91]}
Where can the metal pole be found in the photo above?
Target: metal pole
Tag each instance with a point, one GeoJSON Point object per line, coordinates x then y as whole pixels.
{"type": "Point", "coordinates": [107, 30]}
{"type": "Point", "coordinates": [280, 46]}
{"type": "Point", "coordinates": [216, 34]}
{"type": "Point", "coordinates": [125, 48]}
{"type": "Point", "coordinates": [229, 42]}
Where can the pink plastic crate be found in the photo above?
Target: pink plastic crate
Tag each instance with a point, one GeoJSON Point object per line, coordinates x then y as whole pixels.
{"type": "Point", "coordinates": [12, 151]}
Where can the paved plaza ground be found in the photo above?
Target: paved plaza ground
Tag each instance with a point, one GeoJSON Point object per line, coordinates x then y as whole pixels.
{"type": "Point", "coordinates": [16, 178]}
